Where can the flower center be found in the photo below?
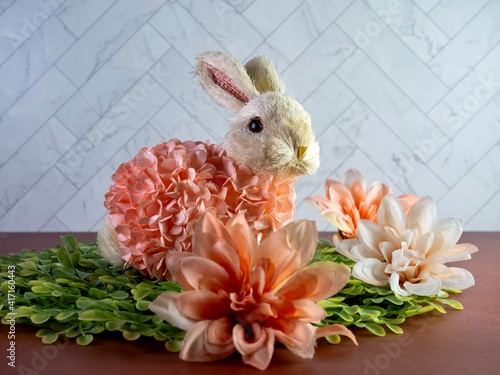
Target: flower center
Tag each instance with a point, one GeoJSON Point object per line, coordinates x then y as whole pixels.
{"type": "Point", "coordinates": [249, 310]}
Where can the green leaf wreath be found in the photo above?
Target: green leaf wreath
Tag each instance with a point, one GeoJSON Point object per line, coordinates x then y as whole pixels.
{"type": "Point", "coordinates": [70, 290]}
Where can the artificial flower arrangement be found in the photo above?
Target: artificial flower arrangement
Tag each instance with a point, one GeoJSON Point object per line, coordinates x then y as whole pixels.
{"type": "Point", "coordinates": [199, 249]}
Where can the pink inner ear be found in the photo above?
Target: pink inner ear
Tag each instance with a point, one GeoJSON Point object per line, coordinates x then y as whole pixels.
{"type": "Point", "coordinates": [225, 82]}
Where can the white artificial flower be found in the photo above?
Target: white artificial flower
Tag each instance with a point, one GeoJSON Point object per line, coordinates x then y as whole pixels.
{"type": "Point", "coordinates": [409, 252]}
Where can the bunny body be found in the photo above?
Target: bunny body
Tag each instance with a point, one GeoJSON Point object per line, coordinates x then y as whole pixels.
{"type": "Point", "coordinates": [158, 195]}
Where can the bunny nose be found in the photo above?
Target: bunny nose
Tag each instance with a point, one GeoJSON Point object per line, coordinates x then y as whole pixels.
{"type": "Point", "coordinates": [301, 151]}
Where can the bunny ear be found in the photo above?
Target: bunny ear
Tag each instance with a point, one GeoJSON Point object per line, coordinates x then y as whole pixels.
{"type": "Point", "coordinates": [225, 80]}
{"type": "Point", "coordinates": [264, 75]}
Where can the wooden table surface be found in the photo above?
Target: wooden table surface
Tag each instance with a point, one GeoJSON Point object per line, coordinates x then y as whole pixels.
{"type": "Point", "coordinates": [462, 342]}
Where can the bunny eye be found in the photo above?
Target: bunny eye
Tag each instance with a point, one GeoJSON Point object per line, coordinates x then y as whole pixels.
{"type": "Point", "coordinates": [255, 126]}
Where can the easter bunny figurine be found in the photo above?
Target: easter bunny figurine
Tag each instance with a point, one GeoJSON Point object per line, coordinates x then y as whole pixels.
{"type": "Point", "coordinates": [158, 196]}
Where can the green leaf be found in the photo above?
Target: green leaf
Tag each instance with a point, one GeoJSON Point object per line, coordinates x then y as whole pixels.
{"type": "Point", "coordinates": [96, 316]}
{"type": "Point", "coordinates": [368, 314]}
{"type": "Point", "coordinates": [40, 318]}
{"type": "Point", "coordinates": [69, 241]}
{"type": "Point", "coordinates": [131, 336]}
{"type": "Point", "coordinates": [63, 257]}
{"type": "Point", "coordinates": [119, 294]}
{"type": "Point", "coordinates": [50, 339]}
{"type": "Point", "coordinates": [65, 315]}
{"type": "Point", "coordinates": [452, 303]}
{"type": "Point", "coordinates": [439, 308]}
{"type": "Point", "coordinates": [345, 316]}
{"type": "Point", "coordinates": [114, 325]}
{"type": "Point", "coordinates": [83, 302]}
{"type": "Point", "coordinates": [327, 304]}
{"type": "Point", "coordinates": [333, 339]}
{"type": "Point", "coordinates": [394, 328]}
{"type": "Point", "coordinates": [62, 280]}
{"type": "Point", "coordinates": [170, 286]}
{"type": "Point", "coordinates": [43, 332]}
{"type": "Point", "coordinates": [393, 299]}
{"type": "Point", "coordinates": [142, 305]}
{"type": "Point", "coordinates": [82, 274]}
{"type": "Point", "coordinates": [145, 286]}
{"type": "Point", "coordinates": [27, 272]}
{"type": "Point", "coordinates": [31, 295]}
{"type": "Point", "coordinates": [173, 346]}
{"type": "Point", "coordinates": [351, 310]}
{"type": "Point", "coordinates": [157, 319]}
{"type": "Point", "coordinates": [28, 265]}
{"type": "Point", "coordinates": [97, 293]}
{"type": "Point", "coordinates": [126, 305]}
{"type": "Point", "coordinates": [96, 329]}
{"type": "Point", "coordinates": [140, 294]}
{"type": "Point", "coordinates": [111, 280]}
{"type": "Point", "coordinates": [40, 289]}
{"type": "Point", "coordinates": [25, 311]}
{"type": "Point", "coordinates": [74, 259]}
{"type": "Point", "coordinates": [375, 329]}
{"type": "Point", "coordinates": [84, 339]}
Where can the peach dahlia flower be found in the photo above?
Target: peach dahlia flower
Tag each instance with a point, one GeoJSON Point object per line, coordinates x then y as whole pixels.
{"type": "Point", "coordinates": [157, 197]}
{"type": "Point", "coordinates": [241, 295]}
{"type": "Point", "coordinates": [409, 252]}
{"type": "Point", "coordinates": [347, 202]}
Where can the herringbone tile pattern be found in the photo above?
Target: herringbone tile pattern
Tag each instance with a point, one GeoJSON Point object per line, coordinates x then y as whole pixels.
{"type": "Point", "coordinates": [406, 91]}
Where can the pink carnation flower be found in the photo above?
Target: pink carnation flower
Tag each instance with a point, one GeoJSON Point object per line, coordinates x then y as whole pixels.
{"type": "Point", "coordinates": [242, 295]}
{"type": "Point", "coordinates": [158, 196]}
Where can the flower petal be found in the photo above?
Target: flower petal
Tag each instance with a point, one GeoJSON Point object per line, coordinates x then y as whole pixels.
{"type": "Point", "coordinates": [407, 201]}
{"type": "Point", "coordinates": [307, 311]}
{"type": "Point", "coordinates": [423, 215]}
{"type": "Point", "coordinates": [303, 237]}
{"type": "Point", "coordinates": [391, 214]}
{"type": "Point", "coordinates": [297, 336]}
{"type": "Point", "coordinates": [447, 234]}
{"type": "Point", "coordinates": [345, 247]}
{"type": "Point", "coordinates": [429, 287]}
{"type": "Point", "coordinates": [458, 278]}
{"type": "Point", "coordinates": [352, 176]}
{"type": "Point", "coordinates": [334, 329]}
{"type": "Point", "coordinates": [208, 341]}
{"type": "Point", "coordinates": [208, 231]}
{"type": "Point", "coordinates": [356, 250]}
{"type": "Point", "coordinates": [459, 252]}
{"type": "Point", "coordinates": [321, 203]}
{"type": "Point", "coordinates": [318, 281]}
{"type": "Point", "coordinates": [244, 239]}
{"type": "Point", "coordinates": [193, 272]}
{"type": "Point", "coordinates": [165, 306]}
{"type": "Point", "coordinates": [394, 281]}
{"type": "Point", "coordinates": [371, 235]}
{"type": "Point", "coordinates": [211, 240]}
{"type": "Point", "coordinates": [358, 192]}
{"type": "Point", "coordinates": [338, 192]}
{"type": "Point", "coordinates": [340, 220]}
{"type": "Point", "coordinates": [277, 258]}
{"type": "Point", "coordinates": [201, 305]}
{"type": "Point", "coordinates": [257, 353]}
{"type": "Point", "coordinates": [375, 194]}
{"type": "Point", "coordinates": [371, 271]}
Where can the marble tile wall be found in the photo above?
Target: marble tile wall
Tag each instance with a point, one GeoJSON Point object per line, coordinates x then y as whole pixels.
{"type": "Point", "coordinates": [405, 91]}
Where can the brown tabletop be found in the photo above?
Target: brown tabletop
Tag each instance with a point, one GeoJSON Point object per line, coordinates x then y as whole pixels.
{"type": "Point", "coordinates": [462, 342]}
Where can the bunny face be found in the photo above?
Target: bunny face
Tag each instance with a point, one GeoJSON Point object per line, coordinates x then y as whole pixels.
{"type": "Point", "coordinates": [271, 132]}
{"type": "Point", "coordinates": [272, 135]}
